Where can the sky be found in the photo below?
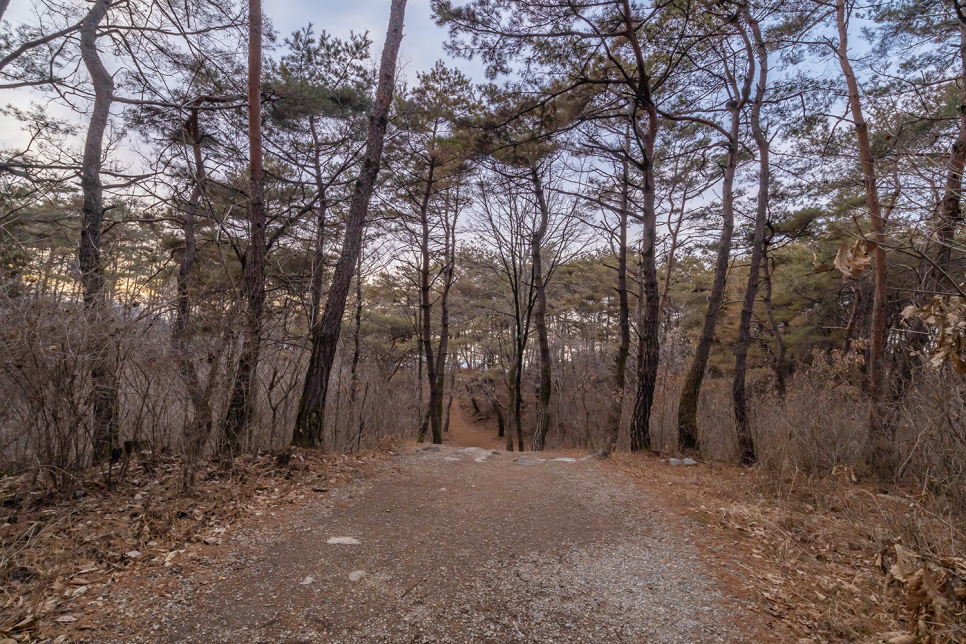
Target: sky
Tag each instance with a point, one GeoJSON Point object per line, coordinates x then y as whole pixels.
{"type": "Point", "coordinates": [422, 43]}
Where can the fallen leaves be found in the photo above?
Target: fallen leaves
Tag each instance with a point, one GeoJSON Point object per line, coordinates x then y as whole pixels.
{"type": "Point", "coordinates": [62, 550]}
{"type": "Point", "coordinates": [934, 593]}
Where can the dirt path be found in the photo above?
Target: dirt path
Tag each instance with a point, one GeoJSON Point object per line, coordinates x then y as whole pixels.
{"type": "Point", "coordinates": [449, 550]}
{"type": "Point", "coordinates": [463, 434]}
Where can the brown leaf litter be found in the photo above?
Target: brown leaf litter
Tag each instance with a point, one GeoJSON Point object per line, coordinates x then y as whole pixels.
{"type": "Point", "coordinates": [832, 559]}
{"type": "Point", "coordinates": [58, 554]}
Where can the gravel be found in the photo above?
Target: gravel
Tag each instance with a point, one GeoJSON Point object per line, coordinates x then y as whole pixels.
{"type": "Point", "coordinates": [450, 551]}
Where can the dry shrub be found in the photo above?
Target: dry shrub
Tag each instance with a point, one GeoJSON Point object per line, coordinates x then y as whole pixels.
{"type": "Point", "coordinates": [46, 417]}
{"type": "Point", "coordinates": [44, 375]}
{"type": "Point", "coordinates": [821, 423]}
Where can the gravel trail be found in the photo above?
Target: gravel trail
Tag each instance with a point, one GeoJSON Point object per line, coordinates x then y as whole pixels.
{"type": "Point", "coordinates": [455, 550]}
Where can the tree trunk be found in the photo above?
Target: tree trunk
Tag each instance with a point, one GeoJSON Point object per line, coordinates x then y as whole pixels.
{"type": "Point", "coordinates": [325, 335]}
{"type": "Point", "coordinates": [426, 311]}
{"type": "Point", "coordinates": [501, 429]}
{"type": "Point", "coordinates": [354, 365]}
{"type": "Point", "coordinates": [540, 319]}
{"type": "Point", "coordinates": [519, 403]}
{"type": "Point", "coordinates": [950, 215]}
{"type": "Point", "coordinates": [649, 314]}
{"type": "Point", "coordinates": [198, 431]}
{"type": "Point", "coordinates": [513, 404]}
{"type": "Point", "coordinates": [318, 256]}
{"type": "Point", "coordinates": [449, 401]}
{"type": "Point", "coordinates": [105, 400]}
{"type": "Point", "coordinates": [241, 407]}
{"type": "Point", "coordinates": [855, 318]}
{"type": "Point", "coordinates": [746, 443]}
{"type": "Point", "coordinates": [882, 450]}
{"type": "Point", "coordinates": [420, 358]}
{"type": "Point", "coordinates": [688, 408]}
{"type": "Point", "coordinates": [318, 262]}
{"type": "Point", "coordinates": [443, 353]}
{"type": "Point", "coordinates": [780, 368]}
{"type": "Point", "coordinates": [624, 321]}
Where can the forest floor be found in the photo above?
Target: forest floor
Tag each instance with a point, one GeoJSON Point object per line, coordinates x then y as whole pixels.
{"type": "Point", "coordinates": [452, 547]}
{"type": "Point", "coordinates": [462, 543]}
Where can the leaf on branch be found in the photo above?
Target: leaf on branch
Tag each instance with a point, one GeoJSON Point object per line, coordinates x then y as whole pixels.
{"type": "Point", "coordinates": [947, 315]}
{"type": "Point", "coordinates": [820, 267]}
{"type": "Point", "coordinates": [852, 262]}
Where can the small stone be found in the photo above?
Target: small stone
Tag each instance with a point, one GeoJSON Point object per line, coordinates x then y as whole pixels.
{"type": "Point", "coordinates": [356, 575]}
{"type": "Point", "coordinates": [675, 461]}
{"type": "Point", "coordinates": [477, 453]}
{"type": "Point", "coordinates": [133, 554]}
{"type": "Point", "coordinates": [690, 461]}
{"type": "Point", "coordinates": [308, 580]}
{"type": "Point", "coordinates": [79, 494]}
{"type": "Point", "coordinates": [603, 453]}
{"type": "Point", "coordinates": [345, 541]}
{"type": "Point", "coordinates": [65, 619]}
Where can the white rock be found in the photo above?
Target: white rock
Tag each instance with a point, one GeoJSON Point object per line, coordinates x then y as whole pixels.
{"type": "Point", "coordinates": [564, 460]}
{"type": "Point", "coordinates": [674, 461]}
{"type": "Point", "coordinates": [345, 541]}
{"type": "Point", "coordinates": [134, 554]}
{"type": "Point", "coordinates": [690, 461]}
{"type": "Point", "coordinates": [63, 619]}
{"type": "Point", "coordinates": [478, 453]}
{"type": "Point", "coordinates": [356, 575]}
{"type": "Point", "coordinates": [308, 580]}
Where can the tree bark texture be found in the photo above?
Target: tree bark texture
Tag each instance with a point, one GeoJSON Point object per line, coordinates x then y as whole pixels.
{"type": "Point", "coordinates": [105, 399]}
{"type": "Point", "coordinates": [688, 408]}
{"type": "Point", "coordinates": [624, 320]}
{"type": "Point", "coordinates": [199, 428]}
{"type": "Point", "coordinates": [426, 310]}
{"type": "Point", "coordinates": [746, 443]}
{"type": "Point", "coordinates": [241, 406]}
{"type": "Point", "coordinates": [882, 452]}
{"type": "Point", "coordinates": [540, 317]}
{"type": "Point", "coordinates": [649, 319]}
{"type": "Point", "coordinates": [325, 334]}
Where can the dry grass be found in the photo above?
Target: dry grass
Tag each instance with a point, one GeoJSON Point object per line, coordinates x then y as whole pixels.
{"type": "Point", "coordinates": [816, 553]}
{"type": "Point", "coordinates": [56, 549]}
